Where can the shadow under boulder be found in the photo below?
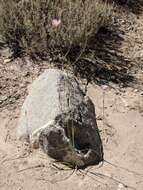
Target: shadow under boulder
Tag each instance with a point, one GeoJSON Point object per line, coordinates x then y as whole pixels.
{"type": "Point", "coordinates": [59, 118]}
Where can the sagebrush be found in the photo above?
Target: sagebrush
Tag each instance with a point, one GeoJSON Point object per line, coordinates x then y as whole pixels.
{"type": "Point", "coordinates": [35, 27]}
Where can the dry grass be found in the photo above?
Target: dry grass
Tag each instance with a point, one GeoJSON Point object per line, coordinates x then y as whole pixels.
{"type": "Point", "coordinates": [36, 27]}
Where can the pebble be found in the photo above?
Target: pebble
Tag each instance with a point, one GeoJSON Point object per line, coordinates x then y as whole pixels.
{"type": "Point", "coordinates": [120, 186]}
{"type": "Point", "coordinates": [136, 90]}
{"type": "Point", "coordinates": [7, 60]}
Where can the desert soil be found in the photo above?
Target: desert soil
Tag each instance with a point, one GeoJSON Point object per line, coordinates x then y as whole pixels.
{"type": "Point", "coordinates": [119, 112]}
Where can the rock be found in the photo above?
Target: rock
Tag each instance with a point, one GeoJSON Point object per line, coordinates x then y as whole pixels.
{"type": "Point", "coordinates": [3, 98]}
{"type": "Point", "coordinates": [8, 60]}
{"type": "Point", "coordinates": [58, 117]}
{"type": "Point", "coordinates": [6, 52]}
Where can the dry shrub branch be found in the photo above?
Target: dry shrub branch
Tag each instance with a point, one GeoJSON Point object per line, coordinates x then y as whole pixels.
{"type": "Point", "coordinates": [36, 27]}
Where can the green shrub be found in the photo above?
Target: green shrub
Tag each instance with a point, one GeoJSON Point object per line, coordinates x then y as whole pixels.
{"type": "Point", "coordinates": [35, 27]}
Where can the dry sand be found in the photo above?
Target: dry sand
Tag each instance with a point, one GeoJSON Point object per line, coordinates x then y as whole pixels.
{"type": "Point", "coordinates": [122, 133]}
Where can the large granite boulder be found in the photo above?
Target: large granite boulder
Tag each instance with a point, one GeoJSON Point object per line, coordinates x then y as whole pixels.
{"type": "Point", "coordinates": [59, 118]}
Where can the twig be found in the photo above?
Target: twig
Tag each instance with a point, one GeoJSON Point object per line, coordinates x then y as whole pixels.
{"type": "Point", "coordinates": [7, 135]}
{"type": "Point", "coordinates": [60, 168]}
{"type": "Point", "coordinates": [103, 103]}
{"type": "Point", "coordinates": [139, 182]}
{"type": "Point", "coordinates": [78, 58]}
{"type": "Point", "coordinates": [11, 159]}
{"type": "Point", "coordinates": [126, 169]}
{"type": "Point", "coordinates": [111, 178]}
{"type": "Point", "coordinates": [56, 181]}
{"type": "Point", "coordinates": [32, 167]}
{"type": "Point", "coordinates": [93, 177]}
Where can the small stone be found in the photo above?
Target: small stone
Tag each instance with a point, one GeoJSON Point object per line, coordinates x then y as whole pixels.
{"type": "Point", "coordinates": [7, 60]}
{"type": "Point", "coordinates": [3, 98]}
{"type": "Point", "coordinates": [120, 186]}
{"type": "Point", "coordinates": [136, 90]}
{"type": "Point", "coordinates": [99, 117]}
{"type": "Point", "coordinates": [104, 87]}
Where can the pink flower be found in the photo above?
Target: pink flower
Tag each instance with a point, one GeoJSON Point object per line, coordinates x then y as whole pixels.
{"type": "Point", "coordinates": [56, 22]}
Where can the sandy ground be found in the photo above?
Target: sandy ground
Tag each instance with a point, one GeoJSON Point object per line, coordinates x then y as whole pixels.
{"type": "Point", "coordinates": [119, 113]}
{"type": "Point", "coordinates": [122, 133]}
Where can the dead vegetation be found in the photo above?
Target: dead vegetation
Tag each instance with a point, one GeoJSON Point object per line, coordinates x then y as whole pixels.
{"type": "Point", "coordinates": [36, 27]}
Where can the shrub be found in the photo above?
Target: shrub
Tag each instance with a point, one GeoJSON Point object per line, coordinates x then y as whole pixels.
{"type": "Point", "coordinates": [36, 27]}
